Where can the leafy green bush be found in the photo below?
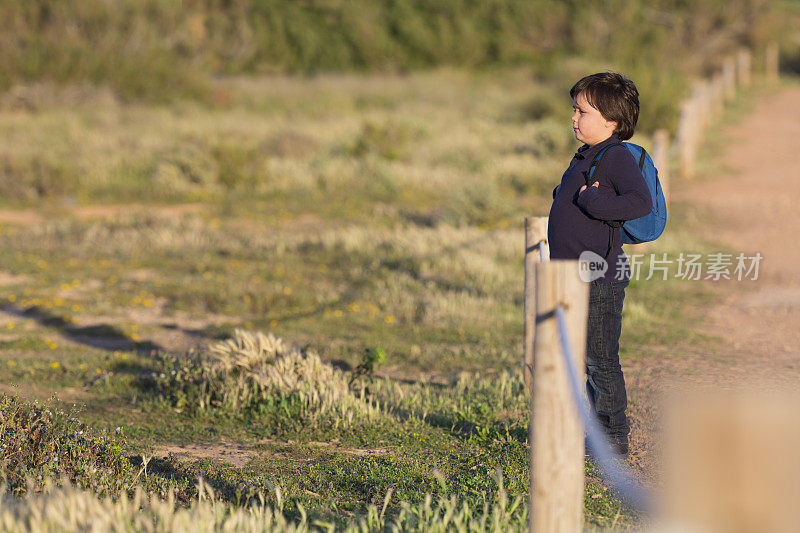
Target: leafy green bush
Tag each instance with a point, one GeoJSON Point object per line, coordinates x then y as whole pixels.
{"type": "Point", "coordinates": [41, 442]}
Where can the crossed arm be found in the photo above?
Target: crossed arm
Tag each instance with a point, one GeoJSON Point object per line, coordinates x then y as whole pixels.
{"type": "Point", "coordinates": [624, 195]}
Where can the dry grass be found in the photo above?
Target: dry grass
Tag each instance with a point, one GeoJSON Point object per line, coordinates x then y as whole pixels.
{"type": "Point", "coordinates": [69, 509]}
{"type": "Point", "coordinates": [258, 366]}
{"type": "Point", "coordinates": [279, 135]}
{"type": "Point", "coordinates": [256, 371]}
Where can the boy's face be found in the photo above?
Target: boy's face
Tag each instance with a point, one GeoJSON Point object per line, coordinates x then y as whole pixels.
{"type": "Point", "coordinates": [588, 123]}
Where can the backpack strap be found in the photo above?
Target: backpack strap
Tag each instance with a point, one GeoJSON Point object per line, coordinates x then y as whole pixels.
{"type": "Point", "coordinates": [595, 163]}
{"type": "Point", "coordinates": [641, 160]}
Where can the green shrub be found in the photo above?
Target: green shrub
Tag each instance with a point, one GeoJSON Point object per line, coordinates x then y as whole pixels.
{"type": "Point", "coordinates": [387, 140]}
{"type": "Point", "coordinates": [260, 374]}
{"type": "Point", "coordinates": [37, 177]}
{"type": "Point", "coordinates": [238, 165]}
{"type": "Point", "coordinates": [41, 442]}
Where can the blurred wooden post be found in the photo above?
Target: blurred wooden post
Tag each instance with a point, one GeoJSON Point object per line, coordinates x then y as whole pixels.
{"type": "Point", "coordinates": [734, 464]}
{"type": "Point", "coordinates": [535, 246]}
{"type": "Point", "coordinates": [687, 139]}
{"type": "Point", "coordinates": [771, 62]}
{"type": "Point", "coordinates": [661, 159]}
{"type": "Point", "coordinates": [706, 96]}
{"type": "Point", "coordinates": [729, 79]}
{"type": "Point", "coordinates": [700, 97]}
{"type": "Point", "coordinates": [743, 67]}
{"type": "Point", "coordinates": [717, 95]}
{"type": "Point", "coordinates": [556, 433]}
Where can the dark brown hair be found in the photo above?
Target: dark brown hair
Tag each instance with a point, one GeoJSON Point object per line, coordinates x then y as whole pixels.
{"type": "Point", "coordinates": [615, 96]}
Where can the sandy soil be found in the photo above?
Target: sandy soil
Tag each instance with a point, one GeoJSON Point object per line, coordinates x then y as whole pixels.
{"type": "Point", "coordinates": [239, 455]}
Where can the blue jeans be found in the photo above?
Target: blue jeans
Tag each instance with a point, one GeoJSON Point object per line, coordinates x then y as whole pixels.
{"type": "Point", "coordinates": [605, 383]}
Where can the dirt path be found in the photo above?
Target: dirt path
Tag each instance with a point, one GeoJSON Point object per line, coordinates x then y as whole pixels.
{"type": "Point", "coordinates": [754, 210]}
{"type": "Point", "coordinates": [757, 210]}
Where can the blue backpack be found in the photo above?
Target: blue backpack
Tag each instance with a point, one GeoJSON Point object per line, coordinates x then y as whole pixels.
{"type": "Point", "coordinates": [649, 227]}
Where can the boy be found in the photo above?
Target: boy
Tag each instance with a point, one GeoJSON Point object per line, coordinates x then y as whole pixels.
{"type": "Point", "coordinates": [606, 108]}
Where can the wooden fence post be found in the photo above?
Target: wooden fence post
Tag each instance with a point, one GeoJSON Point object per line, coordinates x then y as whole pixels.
{"type": "Point", "coordinates": [535, 245]}
{"type": "Point", "coordinates": [733, 462]}
{"type": "Point", "coordinates": [687, 138]}
{"type": "Point", "coordinates": [717, 95]}
{"type": "Point", "coordinates": [701, 106]}
{"type": "Point", "coordinates": [744, 67]}
{"type": "Point", "coordinates": [556, 433]}
{"type": "Point", "coordinates": [771, 62]}
{"type": "Point", "coordinates": [661, 159]}
{"type": "Point", "coordinates": [729, 79]}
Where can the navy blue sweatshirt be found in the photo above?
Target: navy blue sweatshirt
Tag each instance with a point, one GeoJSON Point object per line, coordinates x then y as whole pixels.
{"type": "Point", "coordinates": [576, 222]}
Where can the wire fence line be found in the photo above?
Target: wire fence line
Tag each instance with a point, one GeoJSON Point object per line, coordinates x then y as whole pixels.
{"type": "Point", "coordinates": [541, 246]}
